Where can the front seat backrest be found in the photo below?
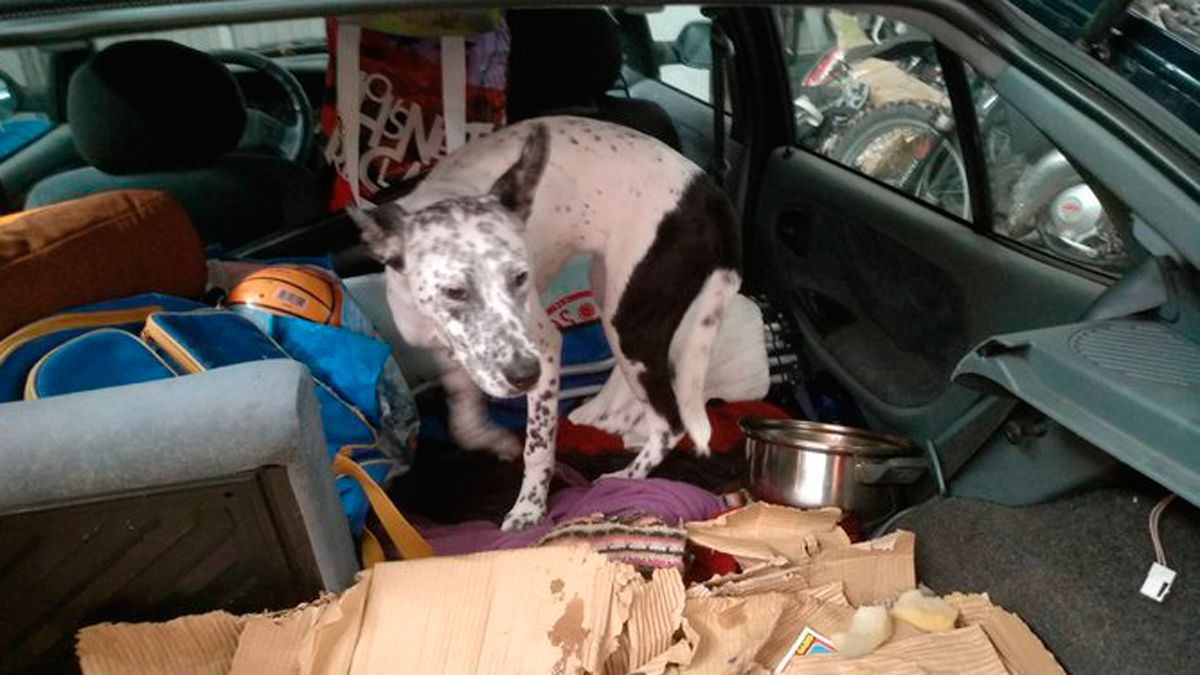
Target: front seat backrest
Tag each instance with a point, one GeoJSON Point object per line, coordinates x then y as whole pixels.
{"type": "Point", "coordinates": [154, 114]}
{"type": "Point", "coordinates": [564, 61]}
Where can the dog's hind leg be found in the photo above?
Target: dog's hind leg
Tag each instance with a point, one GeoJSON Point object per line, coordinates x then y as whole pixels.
{"type": "Point", "coordinates": [691, 349]}
{"type": "Point", "coordinates": [659, 441]}
{"type": "Point", "coordinates": [541, 429]}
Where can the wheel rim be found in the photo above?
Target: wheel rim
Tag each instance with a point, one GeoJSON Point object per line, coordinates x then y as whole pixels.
{"type": "Point", "coordinates": [888, 151]}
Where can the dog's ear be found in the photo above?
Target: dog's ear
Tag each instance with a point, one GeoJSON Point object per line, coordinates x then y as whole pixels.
{"type": "Point", "coordinates": [516, 187]}
{"type": "Point", "coordinates": [382, 230]}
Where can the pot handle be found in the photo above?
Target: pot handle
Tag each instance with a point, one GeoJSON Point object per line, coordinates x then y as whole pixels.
{"type": "Point", "coordinates": [893, 471]}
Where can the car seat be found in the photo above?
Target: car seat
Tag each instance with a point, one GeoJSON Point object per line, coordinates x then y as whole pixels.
{"type": "Point", "coordinates": [154, 114]}
{"type": "Point", "coordinates": [565, 61]}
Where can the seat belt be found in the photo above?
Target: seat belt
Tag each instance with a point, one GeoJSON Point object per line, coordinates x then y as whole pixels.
{"type": "Point", "coordinates": [722, 50]}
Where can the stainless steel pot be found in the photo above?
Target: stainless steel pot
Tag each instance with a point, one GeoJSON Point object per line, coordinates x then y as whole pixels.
{"type": "Point", "coordinates": [809, 465]}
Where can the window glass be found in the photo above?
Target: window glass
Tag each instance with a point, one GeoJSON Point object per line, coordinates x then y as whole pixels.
{"type": "Point", "coordinates": [681, 49]}
{"type": "Point", "coordinates": [869, 93]}
{"type": "Point", "coordinates": [270, 36]}
{"type": "Point", "coordinates": [1040, 199]}
{"type": "Point", "coordinates": [23, 86]}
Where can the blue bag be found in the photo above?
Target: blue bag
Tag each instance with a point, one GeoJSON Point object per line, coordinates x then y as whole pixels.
{"type": "Point", "coordinates": [106, 357]}
{"type": "Point", "coordinates": [22, 349]}
{"type": "Point", "coordinates": [206, 339]}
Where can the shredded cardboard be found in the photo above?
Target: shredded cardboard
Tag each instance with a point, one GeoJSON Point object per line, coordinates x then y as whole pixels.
{"type": "Point", "coordinates": [567, 609]}
{"type": "Point", "coordinates": [1020, 649]}
{"type": "Point", "coordinates": [203, 644]}
{"type": "Point", "coordinates": [965, 651]}
{"type": "Point", "coordinates": [762, 531]}
{"type": "Point", "coordinates": [732, 631]}
{"type": "Point", "coordinates": [871, 572]}
{"type": "Point", "coordinates": [655, 615]}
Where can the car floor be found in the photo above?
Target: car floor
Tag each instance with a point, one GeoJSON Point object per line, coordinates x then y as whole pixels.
{"type": "Point", "coordinates": [1072, 570]}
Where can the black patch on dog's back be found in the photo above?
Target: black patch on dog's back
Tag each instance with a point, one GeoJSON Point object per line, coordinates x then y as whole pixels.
{"type": "Point", "coordinates": [695, 238]}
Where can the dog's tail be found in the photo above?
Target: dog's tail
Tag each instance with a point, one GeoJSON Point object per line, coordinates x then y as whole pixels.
{"type": "Point", "coordinates": [691, 348]}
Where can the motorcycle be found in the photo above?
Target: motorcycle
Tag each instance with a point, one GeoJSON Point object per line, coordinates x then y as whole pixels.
{"type": "Point", "coordinates": [1039, 197]}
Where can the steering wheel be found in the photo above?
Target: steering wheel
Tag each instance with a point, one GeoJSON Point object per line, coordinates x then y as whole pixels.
{"type": "Point", "coordinates": [291, 138]}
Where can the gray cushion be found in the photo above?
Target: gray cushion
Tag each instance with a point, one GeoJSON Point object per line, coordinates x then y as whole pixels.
{"type": "Point", "coordinates": [157, 434]}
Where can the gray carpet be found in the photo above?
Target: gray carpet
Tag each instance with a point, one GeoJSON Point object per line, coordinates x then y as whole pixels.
{"type": "Point", "coordinates": [1072, 570]}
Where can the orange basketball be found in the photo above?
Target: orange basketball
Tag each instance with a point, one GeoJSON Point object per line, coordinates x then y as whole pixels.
{"type": "Point", "coordinates": [300, 291]}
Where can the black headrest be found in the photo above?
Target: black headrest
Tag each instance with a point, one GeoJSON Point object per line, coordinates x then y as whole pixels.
{"type": "Point", "coordinates": [151, 105]}
{"type": "Point", "coordinates": [560, 58]}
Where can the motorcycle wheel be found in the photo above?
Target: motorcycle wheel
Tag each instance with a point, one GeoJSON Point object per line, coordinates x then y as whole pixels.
{"type": "Point", "coordinates": [885, 144]}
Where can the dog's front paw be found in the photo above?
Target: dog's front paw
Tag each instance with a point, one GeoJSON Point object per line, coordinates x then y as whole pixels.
{"type": "Point", "coordinates": [522, 517]}
{"type": "Point", "coordinates": [500, 442]}
{"type": "Point", "coordinates": [507, 446]}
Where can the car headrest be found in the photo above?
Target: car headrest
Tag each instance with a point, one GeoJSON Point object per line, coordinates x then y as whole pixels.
{"type": "Point", "coordinates": [560, 58]}
{"type": "Point", "coordinates": [153, 105]}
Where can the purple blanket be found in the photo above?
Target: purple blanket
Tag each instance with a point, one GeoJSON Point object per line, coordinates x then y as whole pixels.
{"type": "Point", "coordinates": [671, 501]}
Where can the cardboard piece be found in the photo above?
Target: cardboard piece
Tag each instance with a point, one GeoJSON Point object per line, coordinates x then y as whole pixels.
{"type": "Point", "coordinates": [203, 644]}
{"type": "Point", "coordinates": [1020, 649]}
{"type": "Point", "coordinates": [568, 609]}
{"type": "Point", "coordinates": [558, 609]}
{"type": "Point", "coordinates": [762, 531]}
{"type": "Point", "coordinates": [965, 651]}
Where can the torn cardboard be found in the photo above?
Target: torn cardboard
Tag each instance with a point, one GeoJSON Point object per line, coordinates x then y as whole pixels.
{"type": "Point", "coordinates": [1020, 649]}
{"type": "Point", "coordinates": [560, 609]}
{"type": "Point", "coordinates": [965, 651]}
{"type": "Point", "coordinates": [203, 644]}
{"type": "Point", "coordinates": [763, 531]}
{"type": "Point", "coordinates": [567, 609]}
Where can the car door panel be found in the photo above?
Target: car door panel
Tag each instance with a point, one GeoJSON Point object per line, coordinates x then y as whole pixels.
{"type": "Point", "coordinates": [889, 294]}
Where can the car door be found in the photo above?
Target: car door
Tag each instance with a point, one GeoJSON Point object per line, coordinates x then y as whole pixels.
{"type": "Point", "coordinates": [891, 280]}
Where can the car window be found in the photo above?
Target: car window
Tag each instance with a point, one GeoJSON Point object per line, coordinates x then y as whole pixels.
{"type": "Point", "coordinates": [1039, 198]}
{"type": "Point", "coordinates": [269, 36]}
{"type": "Point", "coordinates": [23, 87]}
{"type": "Point", "coordinates": [678, 67]}
{"type": "Point", "coordinates": [869, 93]}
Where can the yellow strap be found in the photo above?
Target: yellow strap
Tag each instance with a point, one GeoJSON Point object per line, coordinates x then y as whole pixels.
{"type": "Point", "coordinates": [404, 537]}
{"type": "Point", "coordinates": [371, 549]}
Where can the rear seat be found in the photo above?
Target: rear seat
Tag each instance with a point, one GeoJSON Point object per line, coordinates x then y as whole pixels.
{"type": "Point", "coordinates": [153, 500]}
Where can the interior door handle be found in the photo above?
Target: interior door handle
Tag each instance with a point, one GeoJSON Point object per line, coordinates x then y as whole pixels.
{"type": "Point", "coordinates": [826, 313]}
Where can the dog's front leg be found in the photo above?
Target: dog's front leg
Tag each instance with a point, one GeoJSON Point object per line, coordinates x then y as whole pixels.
{"type": "Point", "coordinates": [541, 430]}
{"type": "Point", "coordinates": [469, 423]}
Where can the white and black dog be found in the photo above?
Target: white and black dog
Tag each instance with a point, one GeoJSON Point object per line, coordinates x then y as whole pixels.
{"type": "Point", "coordinates": [468, 249]}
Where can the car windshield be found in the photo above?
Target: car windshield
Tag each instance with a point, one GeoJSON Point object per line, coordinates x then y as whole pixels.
{"type": "Point", "coordinates": [25, 71]}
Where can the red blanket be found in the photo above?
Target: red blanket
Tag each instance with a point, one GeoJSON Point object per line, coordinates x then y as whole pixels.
{"type": "Point", "coordinates": [724, 417]}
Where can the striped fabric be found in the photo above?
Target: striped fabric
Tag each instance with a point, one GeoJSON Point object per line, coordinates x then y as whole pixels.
{"type": "Point", "coordinates": [645, 542]}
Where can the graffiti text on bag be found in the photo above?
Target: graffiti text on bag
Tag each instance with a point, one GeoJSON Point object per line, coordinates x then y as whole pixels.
{"type": "Point", "coordinates": [390, 127]}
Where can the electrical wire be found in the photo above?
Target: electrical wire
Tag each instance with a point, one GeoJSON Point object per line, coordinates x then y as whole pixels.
{"type": "Point", "coordinates": [1155, 516]}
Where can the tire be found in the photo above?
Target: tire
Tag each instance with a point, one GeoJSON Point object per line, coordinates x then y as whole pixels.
{"type": "Point", "coordinates": [944, 183]}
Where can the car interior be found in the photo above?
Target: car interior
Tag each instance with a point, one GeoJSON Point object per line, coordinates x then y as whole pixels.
{"type": "Point", "coordinates": [1050, 375]}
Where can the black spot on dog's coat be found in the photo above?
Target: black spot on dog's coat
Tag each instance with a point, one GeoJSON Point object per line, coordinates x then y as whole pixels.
{"type": "Point", "coordinates": [695, 238]}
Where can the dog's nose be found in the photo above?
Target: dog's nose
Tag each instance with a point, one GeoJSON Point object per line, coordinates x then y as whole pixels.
{"type": "Point", "coordinates": [523, 373]}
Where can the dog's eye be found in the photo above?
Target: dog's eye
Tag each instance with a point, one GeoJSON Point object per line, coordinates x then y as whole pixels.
{"type": "Point", "coordinates": [455, 293]}
{"type": "Point", "coordinates": [519, 279]}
